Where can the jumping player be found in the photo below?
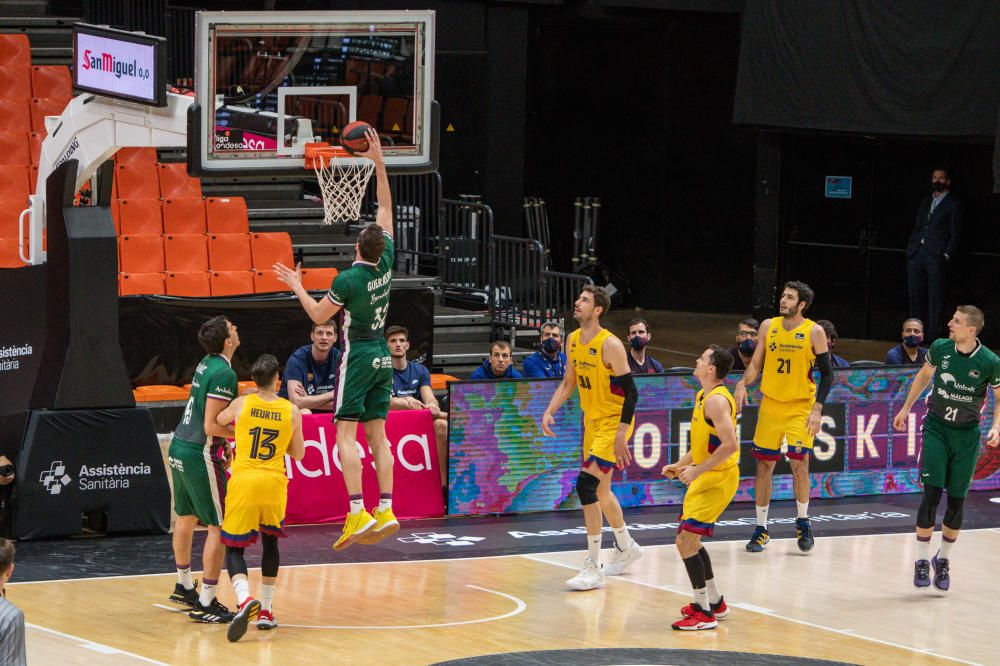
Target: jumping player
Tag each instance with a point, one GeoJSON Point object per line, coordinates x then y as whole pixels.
{"type": "Point", "coordinates": [266, 428]}
{"type": "Point", "coordinates": [598, 366]}
{"type": "Point", "coordinates": [710, 469]}
{"type": "Point", "coordinates": [365, 384]}
{"type": "Point", "coordinates": [197, 458]}
{"type": "Point", "coordinates": [788, 349]}
{"type": "Point", "coordinates": [961, 367]}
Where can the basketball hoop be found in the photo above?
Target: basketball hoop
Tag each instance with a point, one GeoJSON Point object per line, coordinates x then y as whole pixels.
{"type": "Point", "coordinates": [341, 180]}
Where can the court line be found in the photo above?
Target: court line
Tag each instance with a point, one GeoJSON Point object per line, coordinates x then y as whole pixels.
{"type": "Point", "coordinates": [769, 613]}
{"type": "Point", "coordinates": [520, 608]}
{"type": "Point", "coordinates": [94, 645]}
{"type": "Point", "coordinates": [458, 559]}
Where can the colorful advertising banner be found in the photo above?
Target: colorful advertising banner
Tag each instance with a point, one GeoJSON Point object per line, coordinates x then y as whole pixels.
{"type": "Point", "coordinates": [316, 491]}
{"type": "Point", "coordinates": [500, 461]}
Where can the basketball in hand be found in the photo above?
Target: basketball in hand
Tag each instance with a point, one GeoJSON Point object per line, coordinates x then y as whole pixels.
{"type": "Point", "coordinates": [353, 138]}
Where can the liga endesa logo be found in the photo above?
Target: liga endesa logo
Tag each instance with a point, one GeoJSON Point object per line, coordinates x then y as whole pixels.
{"type": "Point", "coordinates": [107, 62]}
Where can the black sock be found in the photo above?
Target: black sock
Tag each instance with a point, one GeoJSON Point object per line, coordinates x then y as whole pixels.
{"type": "Point", "coordinates": [696, 571]}
{"type": "Point", "coordinates": [709, 574]}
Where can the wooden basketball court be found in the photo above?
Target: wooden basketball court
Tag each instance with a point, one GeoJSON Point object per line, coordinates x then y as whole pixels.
{"type": "Point", "coordinates": [850, 600]}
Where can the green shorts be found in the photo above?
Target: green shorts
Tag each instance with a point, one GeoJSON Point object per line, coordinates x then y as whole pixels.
{"type": "Point", "coordinates": [365, 384]}
{"type": "Point", "coordinates": [199, 481]}
{"type": "Point", "coordinates": [949, 455]}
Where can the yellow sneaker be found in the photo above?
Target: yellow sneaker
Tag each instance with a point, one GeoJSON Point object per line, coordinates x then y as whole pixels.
{"type": "Point", "coordinates": [385, 525]}
{"type": "Point", "coordinates": [356, 525]}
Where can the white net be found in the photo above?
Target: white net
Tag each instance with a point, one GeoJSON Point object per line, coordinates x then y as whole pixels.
{"type": "Point", "coordinates": [343, 185]}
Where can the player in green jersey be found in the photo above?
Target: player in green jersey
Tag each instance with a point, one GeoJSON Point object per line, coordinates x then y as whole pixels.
{"type": "Point", "coordinates": [197, 459]}
{"type": "Point", "coordinates": [962, 367]}
{"type": "Point", "coordinates": [365, 383]}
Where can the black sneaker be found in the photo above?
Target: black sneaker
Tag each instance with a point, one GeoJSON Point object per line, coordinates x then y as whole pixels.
{"type": "Point", "coordinates": [805, 534]}
{"type": "Point", "coordinates": [248, 613]}
{"type": "Point", "coordinates": [758, 540]}
{"type": "Point", "coordinates": [214, 613]}
{"type": "Point", "coordinates": [185, 597]}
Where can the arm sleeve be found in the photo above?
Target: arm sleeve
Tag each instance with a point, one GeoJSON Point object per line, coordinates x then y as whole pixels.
{"type": "Point", "coordinates": [825, 376]}
{"type": "Point", "coordinates": [627, 383]}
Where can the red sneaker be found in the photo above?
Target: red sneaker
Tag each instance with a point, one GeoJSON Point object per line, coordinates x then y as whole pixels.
{"type": "Point", "coordinates": [265, 620]}
{"type": "Point", "coordinates": [719, 610]}
{"type": "Point", "coordinates": [697, 621]}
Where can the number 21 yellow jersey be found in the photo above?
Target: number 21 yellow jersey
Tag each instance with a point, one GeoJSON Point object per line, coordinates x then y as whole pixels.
{"type": "Point", "coordinates": [788, 363]}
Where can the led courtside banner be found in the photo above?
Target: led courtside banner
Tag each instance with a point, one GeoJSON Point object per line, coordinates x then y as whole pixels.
{"type": "Point", "coordinates": [501, 462]}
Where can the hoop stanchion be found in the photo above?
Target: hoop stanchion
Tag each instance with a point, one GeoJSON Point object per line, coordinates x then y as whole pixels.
{"type": "Point", "coordinates": [342, 180]}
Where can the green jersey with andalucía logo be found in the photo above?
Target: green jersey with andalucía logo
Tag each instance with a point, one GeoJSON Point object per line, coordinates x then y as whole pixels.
{"type": "Point", "coordinates": [960, 381]}
{"type": "Point", "coordinates": [213, 378]}
{"type": "Point", "coordinates": [363, 291]}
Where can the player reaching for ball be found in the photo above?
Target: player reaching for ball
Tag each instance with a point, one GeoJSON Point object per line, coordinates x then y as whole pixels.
{"type": "Point", "coordinates": [365, 383]}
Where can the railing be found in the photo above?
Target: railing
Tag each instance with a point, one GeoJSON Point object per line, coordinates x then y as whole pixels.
{"type": "Point", "coordinates": [464, 234]}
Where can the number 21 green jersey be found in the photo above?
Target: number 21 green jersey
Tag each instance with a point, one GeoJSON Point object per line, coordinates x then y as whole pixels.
{"type": "Point", "coordinates": [960, 381]}
{"type": "Point", "coordinates": [363, 292]}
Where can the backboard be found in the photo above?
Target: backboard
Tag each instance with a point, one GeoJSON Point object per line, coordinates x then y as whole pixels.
{"type": "Point", "coordinates": [267, 83]}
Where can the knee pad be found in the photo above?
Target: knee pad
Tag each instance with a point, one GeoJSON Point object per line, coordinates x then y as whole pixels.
{"type": "Point", "coordinates": [953, 514]}
{"type": "Point", "coordinates": [586, 488]}
{"type": "Point", "coordinates": [271, 559]}
{"type": "Point", "coordinates": [235, 564]}
{"type": "Point", "coordinates": [927, 513]}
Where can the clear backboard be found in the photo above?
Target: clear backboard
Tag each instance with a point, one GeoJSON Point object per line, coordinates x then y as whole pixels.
{"type": "Point", "coordinates": [268, 83]}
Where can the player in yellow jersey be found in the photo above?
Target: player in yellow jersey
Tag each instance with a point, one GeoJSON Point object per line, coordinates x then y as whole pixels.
{"type": "Point", "coordinates": [788, 349]}
{"type": "Point", "coordinates": [267, 427]}
{"type": "Point", "coordinates": [711, 471]}
{"type": "Point", "coordinates": [598, 366]}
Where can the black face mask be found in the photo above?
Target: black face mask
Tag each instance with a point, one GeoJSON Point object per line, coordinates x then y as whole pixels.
{"type": "Point", "coordinates": [913, 341]}
{"type": "Point", "coordinates": [938, 187]}
{"type": "Point", "coordinates": [747, 346]}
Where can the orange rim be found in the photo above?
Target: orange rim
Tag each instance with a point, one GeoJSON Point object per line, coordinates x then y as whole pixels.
{"type": "Point", "coordinates": [319, 154]}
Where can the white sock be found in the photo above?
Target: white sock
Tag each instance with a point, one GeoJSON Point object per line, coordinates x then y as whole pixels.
{"type": "Point", "coordinates": [945, 552]}
{"type": "Point", "coordinates": [357, 505]}
{"type": "Point", "coordinates": [384, 503]}
{"type": "Point", "coordinates": [242, 589]}
{"type": "Point", "coordinates": [622, 537]}
{"type": "Point", "coordinates": [803, 508]}
{"type": "Point", "coordinates": [184, 578]}
{"type": "Point", "coordinates": [701, 598]}
{"type": "Point", "coordinates": [266, 595]}
{"type": "Point", "coordinates": [594, 547]}
{"type": "Point", "coordinates": [923, 549]}
{"type": "Point", "coordinates": [762, 515]}
{"type": "Point", "coordinates": [713, 592]}
{"type": "Point", "coordinates": [207, 593]}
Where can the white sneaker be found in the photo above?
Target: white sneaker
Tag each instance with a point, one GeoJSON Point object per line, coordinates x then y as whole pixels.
{"type": "Point", "coordinates": [620, 559]}
{"type": "Point", "coordinates": [590, 576]}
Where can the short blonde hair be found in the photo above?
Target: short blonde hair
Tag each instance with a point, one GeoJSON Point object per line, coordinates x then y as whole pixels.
{"type": "Point", "coordinates": [974, 315]}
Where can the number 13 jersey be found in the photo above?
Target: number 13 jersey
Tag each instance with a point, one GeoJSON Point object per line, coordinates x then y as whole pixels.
{"type": "Point", "coordinates": [788, 363]}
{"type": "Point", "coordinates": [263, 433]}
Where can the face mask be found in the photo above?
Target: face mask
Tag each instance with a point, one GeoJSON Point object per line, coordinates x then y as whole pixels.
{"type": "Point", "coordinates": [551, 345]}
{"type": "Point", "coordinates": [747, 346]}
{"type": "Point", "coordinates": [913, 341]}
{"type": "Point", "coordinates": [937, 187]}
{"type": "Point", "coordinates": [638, 342]}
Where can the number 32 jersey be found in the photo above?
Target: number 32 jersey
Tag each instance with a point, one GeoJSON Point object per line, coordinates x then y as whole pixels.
{"type": "Point", "coordinates": [263, 433]}
{"type": "Point", "coordinates": [788, 363]}
{"type": "Point", "coordinates": [960, 381]}
{"type": "Point", "coordinates": [363, 291]}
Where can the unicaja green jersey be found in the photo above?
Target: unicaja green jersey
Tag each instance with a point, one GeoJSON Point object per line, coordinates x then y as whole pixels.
{"type": "Point", "coordinates": [213, 378]}
{"type": "Point", "coordinates": [363, 292]}
{"type": "Point", "coordinates": [960, 381]}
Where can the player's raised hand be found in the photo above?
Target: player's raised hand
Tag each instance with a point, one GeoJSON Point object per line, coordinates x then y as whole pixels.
{"type": "Point", "coordinates": [547, 421]}
{"type": "Point", "coordinates": [993, 437]}
{"type": "Point", "coordinates": [902, 416]}
{"type": "Point", "coordinates": [374, 152]}
{"type": "Point", "coordinates": [291, 277]}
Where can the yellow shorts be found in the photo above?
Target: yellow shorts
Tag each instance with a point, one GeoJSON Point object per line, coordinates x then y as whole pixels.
{"type": "Point", "coordinates": [599, 441]}
{"type": "Point", "coordinates": [778, 421]}
{"type": "Point", "coordinates": [707, 497]}
{"type": "Point", "coordinates": [255, 502]}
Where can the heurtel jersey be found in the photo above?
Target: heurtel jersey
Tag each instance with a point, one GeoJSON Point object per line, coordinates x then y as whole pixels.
{"type": "Point", "coordinates": [960, 381]}
{"type": "Point", "coordinates": [213, 378]}
{"type": "Point", "coordinates": [363, 291]}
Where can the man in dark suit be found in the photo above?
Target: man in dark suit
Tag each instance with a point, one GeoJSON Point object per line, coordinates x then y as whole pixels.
{"type": "Point", "coordinates": [932, 244]}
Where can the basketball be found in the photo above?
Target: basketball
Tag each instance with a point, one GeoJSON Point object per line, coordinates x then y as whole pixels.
{"type": "Point", "coordinates": [353, 139]}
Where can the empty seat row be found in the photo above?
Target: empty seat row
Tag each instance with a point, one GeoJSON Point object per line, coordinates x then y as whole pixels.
{"type": "Point", "coordinates": [26, 115]}
{"type": "Point", "coordinates": [144, 181]}
{"type": "Point", "coordinates": [20, 148]}
{"type": "Point", "coordinates": [200, 252]}
{"type": "Point", "coordinates": [40, 81]}
{"type": "Point", "coordinates": [153, 217]}
{"type": "Point", "coordinates": [217, 283]}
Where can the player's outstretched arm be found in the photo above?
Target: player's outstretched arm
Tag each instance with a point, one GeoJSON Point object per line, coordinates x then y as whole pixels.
{"type": "Point", "coordinates": [920, 382]}
{"type": "Point", "coordinates": [296, 447]}
{"type": "Point", "coordinates": [318, 311]}
{"type": "Point", "coordinates": [212, 426]}
{"type": "Point", "coordinates": [382, 191]}
{"type": "Point", "coordinates": [753, 367]}
{"type": "Point", "coordinates": [561, 395]}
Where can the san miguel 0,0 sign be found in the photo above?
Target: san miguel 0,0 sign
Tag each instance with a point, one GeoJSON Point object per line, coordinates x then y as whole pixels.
{"type": "Point", "coordinates": [120, 64]}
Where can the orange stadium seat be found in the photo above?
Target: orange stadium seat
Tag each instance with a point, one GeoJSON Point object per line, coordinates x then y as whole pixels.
{"type": "Point", "coordinates": [16, 114]}
{"type": "Point", "coordinates": [186, 253]}
{"type": "Point", "coordinates": [227, 215]}
{"type": "Point", "coordinates": [142, 254]}
{"type": "Point", "coordinates": [229, 252]}
{"type": "Point", "coordinates": [14, 184]}
{"type": "Point", "coordinates": [42, 107]}
{"type": "Point", "coordinates": [15, 50]}
{"type": "Point", "coordinates": [265, 282]}
{"type": "Point", "coordinates": [232, 283]}
{"type": "Point", "coordinates": [35, 147]}
{"type": "Point", "coordinates": [15, 83]}
{"type": "Point", "coordinates": [141, 217]}
{"type": "Point", "coordinates": [369, 109]}
{"type": "Point", "coordinates": [439, 382]}
{"type": "Point", "coordinates": [270, 248]}
{"type": "Point", "coordinates": [10, 254]}
{"type": "Point", "coordinates": [161, 393]}
{"type": "Point", "coordinates": [136, 156]}
{"type": "Point", "coordinates": [176, 184]}
{"type": "Point", "coordinates": [188, 284]}
{"type": "Point", "coordinates": [32, 177]}
{"type": "Point", "coordinates": [14, 148]}
{"type": "Point", "coordinates": [137, 181]}
{"type": "Point", "coordinates": [9, 213]}
{"type": "Point", "coordinates": [396, 116]}
{"type": "Point", "coordinates": [52, 82]}
{"type": "Point", "coordinates": [134, 284]}
{"type": "Point", "coordinates": [318, 279]}
{"type": "Point", "coordinates": [183, 216]}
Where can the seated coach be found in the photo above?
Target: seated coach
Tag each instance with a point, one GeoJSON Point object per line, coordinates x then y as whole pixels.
{"type": "Point", "coordinates": [310, 378]}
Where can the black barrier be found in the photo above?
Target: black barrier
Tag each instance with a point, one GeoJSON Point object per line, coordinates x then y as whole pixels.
{"type": "Point", "coordinates": [82, 461]}
{"type": "Point", "coordinates": [159, 334]}
{"type": "Point", "coordinates": [22, 336]}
